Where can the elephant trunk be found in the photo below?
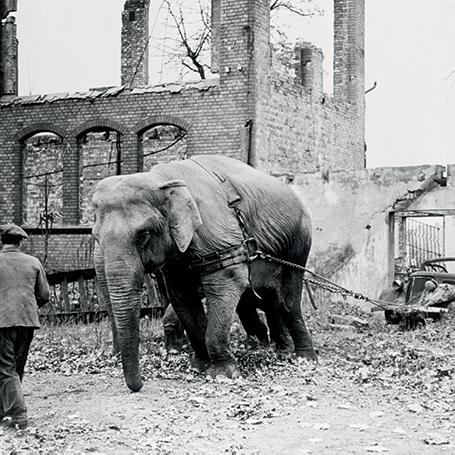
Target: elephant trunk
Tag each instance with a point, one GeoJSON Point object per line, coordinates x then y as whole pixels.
{"type": "Point", "coordinates": [103, 293]}
{"type": "Point", "coordinates": [125, 294]}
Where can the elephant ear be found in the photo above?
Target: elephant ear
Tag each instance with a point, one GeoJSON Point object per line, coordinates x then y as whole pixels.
{"type": "Point", "coordinates": [184, 217]}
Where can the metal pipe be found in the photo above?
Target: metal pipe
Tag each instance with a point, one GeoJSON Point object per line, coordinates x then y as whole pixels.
{"type": "Point", "coordinates": [372, 88]}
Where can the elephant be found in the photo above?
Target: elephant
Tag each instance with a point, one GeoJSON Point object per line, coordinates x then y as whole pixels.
{"type": "Point", "coordinates": [201, 222]}
{"type": "Point", "coordinates": [175, 338]}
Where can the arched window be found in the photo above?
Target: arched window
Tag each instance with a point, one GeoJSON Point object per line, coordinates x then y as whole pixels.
{"type": "Point", "coordinates": [42, 180]}
{"type": "Point", "coordinates": [99, 157]}
{"type": "Point", "coordinates": [163, 143]}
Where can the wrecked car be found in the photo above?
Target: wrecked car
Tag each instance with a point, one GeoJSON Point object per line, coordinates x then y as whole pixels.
{"type": "Point", "coordinates": [428, 291]}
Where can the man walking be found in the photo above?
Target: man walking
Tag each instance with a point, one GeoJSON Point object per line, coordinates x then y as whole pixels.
{"type": "Point", "coordinates": [23, 288]}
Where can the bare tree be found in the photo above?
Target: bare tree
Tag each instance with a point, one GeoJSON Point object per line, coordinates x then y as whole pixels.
{"type": "Point", "coordinates": [300, 7]}
{"type": "Point", "coordinates": [187, 43]}
{"type": "Point", "coordinates": [191, 44]}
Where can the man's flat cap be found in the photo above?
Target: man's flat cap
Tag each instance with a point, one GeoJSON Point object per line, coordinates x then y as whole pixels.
{"type": "Point", "coordinates": [11, 230]}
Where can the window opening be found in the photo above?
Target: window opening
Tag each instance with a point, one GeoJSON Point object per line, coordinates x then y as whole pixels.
{"type": "Point", "coordinates": [162, 144]}
{"type": "Point", "coordinates": [423, 240]}
{"type": "Point", "coordinates": [419, 238]}
{"type": "Point", "coordinates": [100, 157]}
{"type": "Point", "coordinates": [42, 189]}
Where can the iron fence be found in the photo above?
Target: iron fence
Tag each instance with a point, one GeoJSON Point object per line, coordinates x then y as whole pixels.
{"type": "Point", "coordinates": [423, 241]}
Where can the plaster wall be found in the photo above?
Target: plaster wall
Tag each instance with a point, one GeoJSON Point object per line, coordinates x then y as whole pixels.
{"type": "Point", "coordinates": [350, 213]}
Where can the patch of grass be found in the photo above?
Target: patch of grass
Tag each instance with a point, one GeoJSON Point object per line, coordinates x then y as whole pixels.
{"type": "Point", "coordinates": [86, 338]}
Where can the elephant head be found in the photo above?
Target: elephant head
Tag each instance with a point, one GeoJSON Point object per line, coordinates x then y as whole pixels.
{"type": "Point", "coordinates": [140, 222]}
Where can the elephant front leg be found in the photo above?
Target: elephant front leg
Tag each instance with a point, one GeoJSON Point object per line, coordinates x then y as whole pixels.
{"type": "Point", "coordinates": [182, 292]}
{"type": "Point", "coordinates": [223, 290]}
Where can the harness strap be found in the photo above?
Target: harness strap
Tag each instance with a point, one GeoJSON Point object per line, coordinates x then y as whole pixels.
{"type": "Point", "coordinates": [212, 262]}
{"type": "Point", "coordinates": [233, 198]}
{"type": "Point", "coordinates": [245, 252]}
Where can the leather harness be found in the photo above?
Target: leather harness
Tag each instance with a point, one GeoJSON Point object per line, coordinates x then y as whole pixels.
{"type": "Point", "coordinates": [243, 252]}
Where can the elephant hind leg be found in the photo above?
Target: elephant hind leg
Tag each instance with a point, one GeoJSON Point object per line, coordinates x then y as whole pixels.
{"type": "Point", "coordinates": [289, 297]}
{"type": "Point", "coordinates": [279, 333]}
{"type": "Point", "coordinates": [251, 321]}
{"type": "Point", "coordinates": [173, 331]}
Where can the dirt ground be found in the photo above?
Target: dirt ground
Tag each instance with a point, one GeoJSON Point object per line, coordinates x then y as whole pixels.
{"type": "Point", "coordinates": [373, 391]}
{"type": "Point", "coordinates": [311, 414]}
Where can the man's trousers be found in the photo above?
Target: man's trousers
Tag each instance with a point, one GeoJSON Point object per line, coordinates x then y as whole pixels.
{"type": "Point", "coordinates": [14, 347]}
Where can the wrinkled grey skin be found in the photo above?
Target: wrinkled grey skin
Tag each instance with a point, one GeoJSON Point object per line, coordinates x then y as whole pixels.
{"type": "Point", "coordinates": [178, 211]}
{"type": "Point", "coordinates": [174, 335]}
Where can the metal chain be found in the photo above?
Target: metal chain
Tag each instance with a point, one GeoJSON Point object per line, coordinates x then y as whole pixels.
{"type": "Point", "coordinates": [334, 288]}
{"type": "Point", "coordinates": [240, 220]}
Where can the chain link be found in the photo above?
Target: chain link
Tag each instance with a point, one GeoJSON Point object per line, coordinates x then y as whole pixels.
{"type": "Point", "coordinates": [334, 288]}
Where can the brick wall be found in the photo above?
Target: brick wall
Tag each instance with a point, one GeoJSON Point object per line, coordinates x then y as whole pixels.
{"type": "Point", "coordinates": [349, 51]}
{"type": "Point", "coordinates": [62, 250]}
{"type": "Point", "coordinates": [307, 131]}
{"type": "Point", "coordinates": [252, 111]}
{"type": "Point", "coordinates": [42, 188]}
{"type": "Point", "coordinates": [8, 48]}
{"type": "Point", "coordinates": [298, 127]}
{"type": "Point", "coordinates": [99, 157]}
{"type": "Point", "coordinates": [135, 37]}
{"type": "Point", "coordinates": [203, 111]}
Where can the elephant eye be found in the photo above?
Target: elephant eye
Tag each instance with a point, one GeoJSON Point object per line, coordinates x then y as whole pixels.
{"type": "Point", "coordinates": [142, 238]}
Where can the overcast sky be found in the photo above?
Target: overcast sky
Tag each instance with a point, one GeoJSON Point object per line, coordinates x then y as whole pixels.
{"type": "Point", "coordinates": [72, 45]}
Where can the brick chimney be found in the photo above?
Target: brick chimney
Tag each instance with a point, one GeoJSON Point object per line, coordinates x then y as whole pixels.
{"type": "Point", "coordinates": [308, 69]}
{"type": "Point", "coordinates": [8, 49]}
{"type": "Point", "coordinates": [135, 37]}
{"type": "Point", "coordinates": [349, 51]}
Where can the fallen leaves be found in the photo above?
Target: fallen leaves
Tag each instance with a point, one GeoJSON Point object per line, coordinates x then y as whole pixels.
{"type": "Point", "coordinates": [376, 449]}
{"type": "Point", "coordinates": [411, 372]}
{"type": "Point", "coordinates": [359, 426]}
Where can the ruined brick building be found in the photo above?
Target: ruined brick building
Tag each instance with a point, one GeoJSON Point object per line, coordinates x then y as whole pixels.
{"type": "Point", "coordinates": [54, 148]}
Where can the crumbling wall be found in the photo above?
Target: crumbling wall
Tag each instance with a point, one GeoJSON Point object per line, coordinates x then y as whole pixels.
{"type": "Point", "coordinates": [135, 38]}
{"type": "Point", "coordinates": [61, 250]}
{"type": "Point", "coordinates": [8, 48]}
{"type": "Point", "coordinates": [350, 213]}
{"type": "Point", "coordinates": [301, 128]}
{"type": "Point", "coordinates": [307, 133]}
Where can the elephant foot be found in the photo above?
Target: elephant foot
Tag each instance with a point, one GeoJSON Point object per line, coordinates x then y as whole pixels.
{"type": "Point", "coordinates": [254, 343]}
{"type": "Point", "coordinates": [134, 383]}
{"type": "Point", "coordinates": [284, 350]}
{"type": "Point", "coordinates": [225, 369]}
{"type": "Point", "coordinates": [307, 354]}
{"type": "Point", "coordinates": [306, 364]}
{"type": "Point", "coordinates": [199, 365]}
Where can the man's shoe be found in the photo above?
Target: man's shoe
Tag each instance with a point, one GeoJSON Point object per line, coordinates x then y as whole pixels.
{"type": "Point", "coordinates": [6, 422]}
